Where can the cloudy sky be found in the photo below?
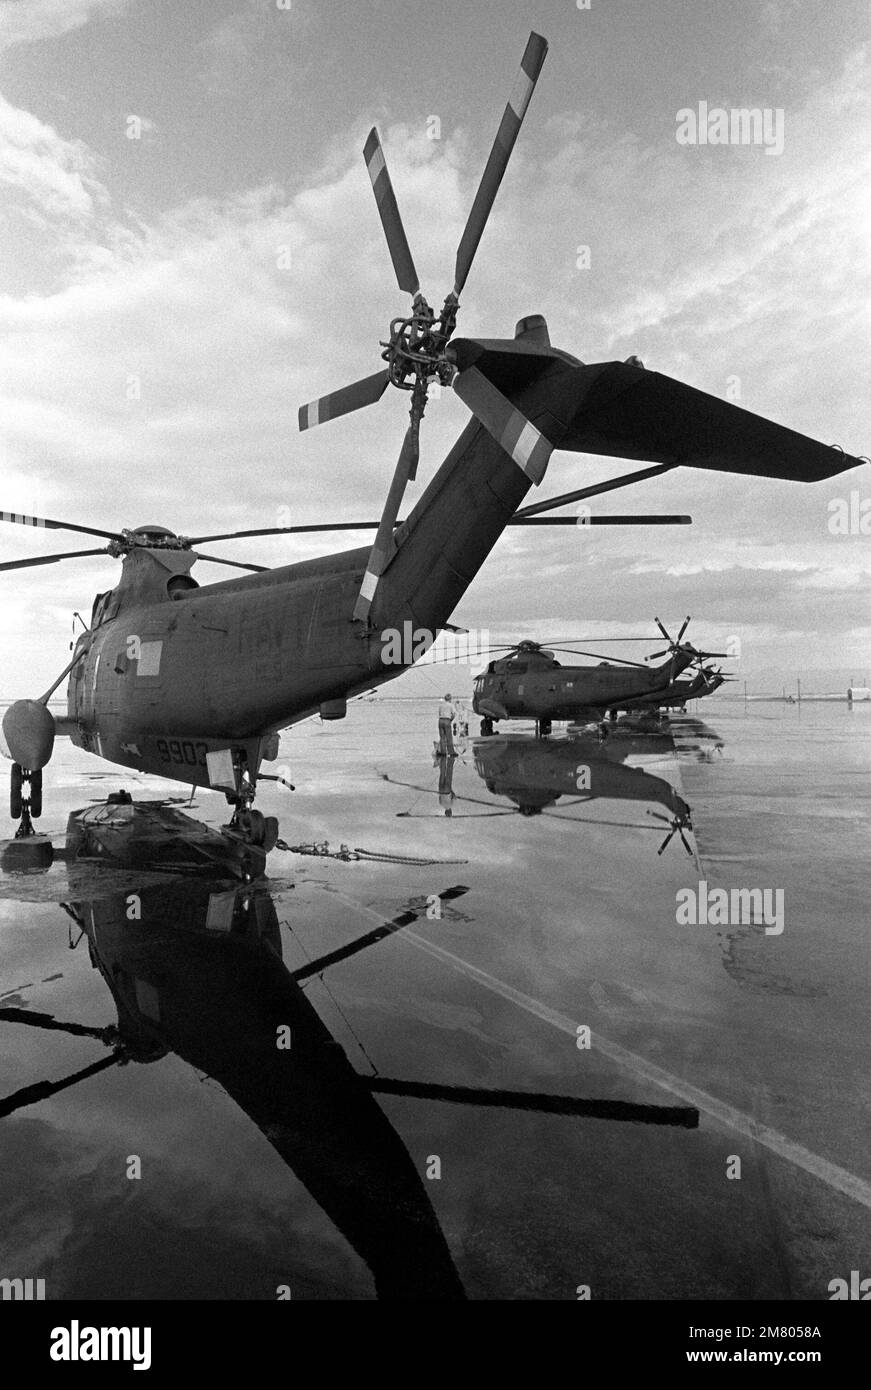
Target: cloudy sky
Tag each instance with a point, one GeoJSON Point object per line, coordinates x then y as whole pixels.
{"type": "Point", "coordinates": [167, 301]}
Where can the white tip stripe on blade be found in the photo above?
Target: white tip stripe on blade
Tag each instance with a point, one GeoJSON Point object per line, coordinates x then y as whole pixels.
{"type": "Point", "coordinates": [520, 94]}
{"type": "Point", "coordinates": [312, 414]}
{"type": "Point", "coordinates": [369, 585]}
{"type": "Point", "coordinates": [522, 451]}
{"type": "Point", "coordinates": [376, 163]}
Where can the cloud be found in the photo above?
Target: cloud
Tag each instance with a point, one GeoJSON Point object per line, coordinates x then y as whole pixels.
{"type": "Point", "coordinates": [160, 379]}
{"type": "Point", "coordinates": [56, 178]}
{"type": "Point", "coordinates": [27, 21]}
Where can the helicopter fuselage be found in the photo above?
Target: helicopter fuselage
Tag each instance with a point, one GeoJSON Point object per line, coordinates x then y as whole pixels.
{"type": "Point", "coordinates": [171, 672]}
{"type": "Point", "coordinates": [535, 686]}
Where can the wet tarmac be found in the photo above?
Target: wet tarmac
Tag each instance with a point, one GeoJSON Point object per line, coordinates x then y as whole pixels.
{"type": "Point", "coordinates": [368, 1076]}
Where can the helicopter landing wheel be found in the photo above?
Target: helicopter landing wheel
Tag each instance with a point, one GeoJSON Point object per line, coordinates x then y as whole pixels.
{"type": "Point", "coordinates": [251, 823]}
{"type": "Point", "coordinates": [258, 830]}
{"type": "Point", "coordinates": [486, 727]}
{"type": "Point", "coordinates": [15, 799]}
{"type": "Point", "coordinates": [36, 794]}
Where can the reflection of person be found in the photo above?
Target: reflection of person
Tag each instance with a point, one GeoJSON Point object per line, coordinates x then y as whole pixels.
{"type": "Point", "coordinates": [446, 780]}
{"type": "Point", "coordinates": [446, 719]}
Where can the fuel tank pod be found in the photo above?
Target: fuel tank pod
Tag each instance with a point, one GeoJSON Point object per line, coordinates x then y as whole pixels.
{"type": "Point", "coordinates": [28, 734]}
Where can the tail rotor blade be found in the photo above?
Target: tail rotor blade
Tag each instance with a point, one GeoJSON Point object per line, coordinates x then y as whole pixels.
{"type": "Point", "coordinates": [343, 401]}
{"type": "Point", "coordinates": [663, 631]}
{"type": "Point", "coordinates": [388, 210]}
{"type": "Point", "coordinates": [530, 67]}
{"type": "Point", "coordinates": [682, 631]}
{"type": "Point", "coordinates": [383, 546]}
{"type": "Point", "coordinates": [528, 447]}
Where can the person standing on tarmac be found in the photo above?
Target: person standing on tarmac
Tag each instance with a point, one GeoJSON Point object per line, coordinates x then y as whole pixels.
{"type": "Point", "coordinates": [446, 720]}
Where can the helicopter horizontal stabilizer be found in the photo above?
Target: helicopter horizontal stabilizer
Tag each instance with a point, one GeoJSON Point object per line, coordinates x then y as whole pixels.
{"type": "Point", "coordinates": [622, 410]}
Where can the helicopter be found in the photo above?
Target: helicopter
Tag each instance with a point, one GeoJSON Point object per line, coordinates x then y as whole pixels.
{"type": "Point", "coordinates": [529, 682]}
{"type": "Point", "coordinates": [194, 682]}
{"type": "Point", "coordinates": [199, 971]}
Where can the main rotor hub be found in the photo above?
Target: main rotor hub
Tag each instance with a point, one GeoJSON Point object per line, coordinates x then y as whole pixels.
{"type": "Point", "coordinates": [416, 346]}
{"type": "Point", "coordinates": [148, 538]}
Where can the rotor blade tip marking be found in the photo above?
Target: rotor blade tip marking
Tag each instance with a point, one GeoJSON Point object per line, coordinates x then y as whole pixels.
{"type": "Point", "coordinates": [521, 93]}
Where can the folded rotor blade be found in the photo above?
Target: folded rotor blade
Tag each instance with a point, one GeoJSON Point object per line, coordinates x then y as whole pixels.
{"type": "Point", "coordinates": [288, 530]}
{"type": "Point", "coordinates": [21, 520]}
{"type": "Point", "coordinates": [216, 560]}
{"type": "Point", "coordinates": [512, 119]}
{"type": "Point", "coordinates": [388, 210]}
{"type": "Point", "coordinates": [528, 447]}
{"type": "Point", "coordinates": [346, 399]}
{"type": "Point", "coordinates": [621, 660]}
{"type": "Point", "coordinates": [652, 519]}
{"type": "Point", "coordinates": [48, 559]}
{"type": "Point", "coordinates": [609, 485]}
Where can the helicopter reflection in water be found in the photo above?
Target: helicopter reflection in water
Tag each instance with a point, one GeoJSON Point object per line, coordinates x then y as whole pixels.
{"type": "Point", "coordinates": [199, 972]}
{"type": "Point", "coordinates": [537, 775]}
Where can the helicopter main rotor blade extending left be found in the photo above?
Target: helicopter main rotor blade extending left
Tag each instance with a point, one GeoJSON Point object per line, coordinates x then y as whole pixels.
{"type": "Point", "coordinates": [43, 523]}
{"type": "Point", "coordinates": [49, 559]}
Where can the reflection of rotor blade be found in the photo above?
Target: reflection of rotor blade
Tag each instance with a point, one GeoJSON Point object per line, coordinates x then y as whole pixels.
{"type": "Point", "coordinates": [686, 1116]}
{"type": "Point", "coordinates": [528, 447]}
{"type": "Point", "coordinates": [48, 559]}
{"type": "Point", "coordinates": [42, 522]}
{"type": "Point", "coordinates": [388, 210]}
{"type": "Point", "coordinates": [365, 392]}
{"type": "Point", "coordinates": [41, 1090]}
{"type": "Point", "coordinates": [530, 67]}
{"type": "Point", "coordinates": [666, 841]}
{"type": "Point", "coordinates": [215, 560]}
{"type": "Point", "coordinates": [388, 927]}
{"type": "Point", "coordinates": [48, 1021]}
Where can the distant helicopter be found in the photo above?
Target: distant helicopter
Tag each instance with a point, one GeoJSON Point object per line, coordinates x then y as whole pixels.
{"type": "Point", "coordinates": [195, 682]}
{"type": "Point", "coordinates": [529, 683]}
{"type": "Point", "coordinates": [200, 973]}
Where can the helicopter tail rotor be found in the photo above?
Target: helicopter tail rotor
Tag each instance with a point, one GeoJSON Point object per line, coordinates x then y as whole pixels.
{"type": "Point", "coordinates": [416, 348]}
